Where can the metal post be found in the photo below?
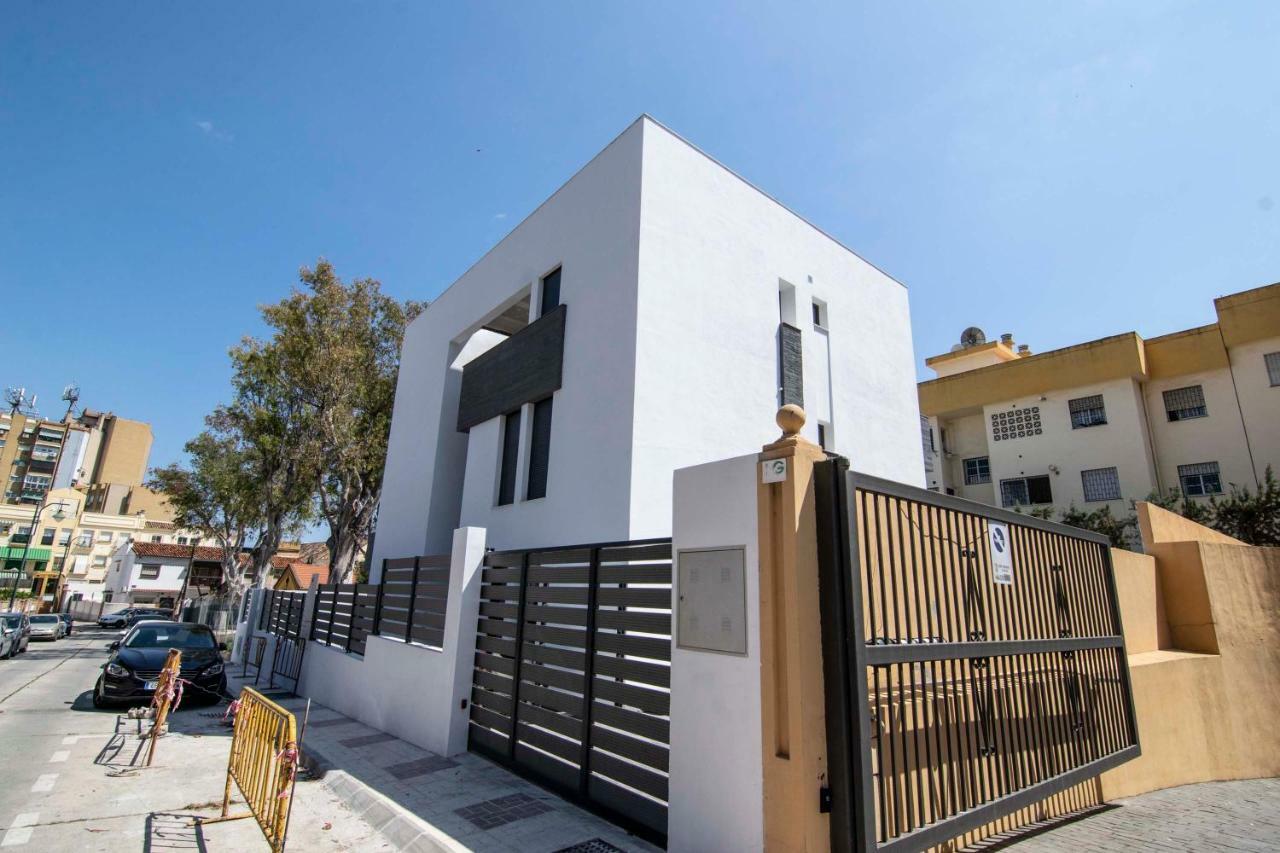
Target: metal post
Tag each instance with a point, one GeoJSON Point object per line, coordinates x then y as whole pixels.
{"type": "Point", "coordinates": [377, 602]}
{"type": "Point", "coordinates": [333, 612]}
{"type": "Point", "coordinates": [413, 598]}
{"type": "Point", "coordinates": [351, 626]}
{"type": "Point", "coordinates": [515, 677]}
{"type": "Point", "coordinates": [593, 587]}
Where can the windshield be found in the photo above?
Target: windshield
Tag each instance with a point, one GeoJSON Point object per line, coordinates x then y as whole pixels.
{"type": "Point", "coordinates": [12, 621]}
{"type": "Point", "coordinates": [43, 620]}
{"type": "Point", "coordinates": [170, 637]}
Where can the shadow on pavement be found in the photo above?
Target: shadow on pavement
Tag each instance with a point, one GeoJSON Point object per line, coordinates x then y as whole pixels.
{"type": "Point", "coordinates": [169, 831]}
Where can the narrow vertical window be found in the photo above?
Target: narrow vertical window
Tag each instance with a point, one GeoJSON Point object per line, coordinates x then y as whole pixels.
{"type": "Point", "coordinates": [540, 449]}
{"type": "Point", "coordinates": [510, 458]}
{"type": "Point", "coordinates": [550, 293]}
{"type": "Point", "coordinates": [822, 435]}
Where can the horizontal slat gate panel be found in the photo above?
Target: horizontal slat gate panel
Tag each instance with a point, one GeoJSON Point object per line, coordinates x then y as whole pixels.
{"type": "Point", "coordinates": [487, 739]}
{"type": "Point", "coordinates": [630, 620]}
{"type": "Point", "coordinates": [650, 701]}
{"type": "Point", "coordinates": [655, 674]}
{"type": "Point", "coordinates": [655, 648]}
{"type": "Point", "coordinates": [583, 660]}
{"type": "Point", "coordinates": [565, 724]}
{"type": "Point", "coordinates": [546, 741]}
{"type": "Point", "coordinates": [638, 808]}
{"type": "Point", "coordinates": [555, 700]}
{"type": "Point", "coordinates": [632, 775]}
{"type": "Point", "coordinates": [636, 722]}
{"type": "Point", "coordinates": [644, 752]}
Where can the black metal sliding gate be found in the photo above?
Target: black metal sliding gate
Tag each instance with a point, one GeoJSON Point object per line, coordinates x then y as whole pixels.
{"type": "Point", "coordinates": [572, 674]}
{"type": "Point", "coordinates": [973, 657]}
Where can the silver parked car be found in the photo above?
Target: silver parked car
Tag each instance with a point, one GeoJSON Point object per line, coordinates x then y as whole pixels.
{"type": "Point", "coordinates": [15, 633]}
{"type": "Point", "coordinates": [47, 626]}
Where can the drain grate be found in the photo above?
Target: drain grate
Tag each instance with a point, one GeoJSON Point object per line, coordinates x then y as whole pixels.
{"type": "Point", "coordinates": [595, 845]}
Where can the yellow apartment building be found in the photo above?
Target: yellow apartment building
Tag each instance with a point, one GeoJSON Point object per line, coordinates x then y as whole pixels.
{"type": "Point", "coordinates": [1112, 420]}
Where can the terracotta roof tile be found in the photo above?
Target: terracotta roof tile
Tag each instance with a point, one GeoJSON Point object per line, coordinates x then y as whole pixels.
{"type": "Point", "coordinates": [166, 549]}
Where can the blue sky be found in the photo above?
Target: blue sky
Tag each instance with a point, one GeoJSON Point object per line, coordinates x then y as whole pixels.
{"type": "Point", "coordinates": [1061, 171]}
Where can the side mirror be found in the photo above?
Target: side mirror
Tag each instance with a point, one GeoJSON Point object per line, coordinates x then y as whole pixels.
{"type": "Point", "coordinates": [222, 647]}
{"type": "Point", "coordinates": [115, 644]}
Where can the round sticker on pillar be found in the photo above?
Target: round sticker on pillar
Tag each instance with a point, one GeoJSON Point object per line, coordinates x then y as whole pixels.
{"type": "Point", "coordinates": [1001, 557]}
{"type": "Point", "coordinates": [773, 470]}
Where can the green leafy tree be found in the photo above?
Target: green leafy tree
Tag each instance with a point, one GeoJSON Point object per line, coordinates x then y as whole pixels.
{"type": "Point", "coordinates": [1117, 530]}
{"type": "Point", "coordinates": [338, 346]}
{"type": "Point", "coordinates": [214, 494]}
{"type": "Point", "coordinates": [1248, 516]}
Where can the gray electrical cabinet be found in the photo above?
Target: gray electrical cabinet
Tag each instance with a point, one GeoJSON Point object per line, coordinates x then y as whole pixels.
{"type": "Point", "coordinates": [711, 590]}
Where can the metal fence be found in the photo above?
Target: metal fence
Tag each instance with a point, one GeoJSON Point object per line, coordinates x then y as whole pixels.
{"type": "Point", "coordinates": [281, 612]}
{"type": "Point", "coordinates": [415, 592]}
{"type": "Point", "coordinates": [572, 674]}
{"type": "Point", "coordinates": [974, 661]}
{"type": "Point", "coordinates": [345, 615]}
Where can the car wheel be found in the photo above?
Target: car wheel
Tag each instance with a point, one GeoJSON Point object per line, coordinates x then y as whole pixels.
{"type": "Point", "coordinates": [98, 701]}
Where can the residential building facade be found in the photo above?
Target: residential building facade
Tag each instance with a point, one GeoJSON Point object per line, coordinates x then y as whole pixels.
{"type": "Point", "coordinates": [652, 314]}
{"type": "Point", "coordinates": [1110, 421]}
{"type": "Point", "coordinates": [153, 574]}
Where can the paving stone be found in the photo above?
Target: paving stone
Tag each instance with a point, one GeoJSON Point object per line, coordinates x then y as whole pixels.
{"type": "Point", "coordinates": [367, 740]}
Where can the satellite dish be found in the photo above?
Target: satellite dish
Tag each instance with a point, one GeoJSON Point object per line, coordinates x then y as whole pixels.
{"type": "Point", "coordinates": [972, 337]}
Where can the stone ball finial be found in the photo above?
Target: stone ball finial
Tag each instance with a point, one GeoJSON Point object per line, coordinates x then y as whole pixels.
{"type": "Point", "coordinates": [790, 420]}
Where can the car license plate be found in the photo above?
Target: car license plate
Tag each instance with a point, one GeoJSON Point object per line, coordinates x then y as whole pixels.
{"type": "Point", "coordinates": [151, 685]}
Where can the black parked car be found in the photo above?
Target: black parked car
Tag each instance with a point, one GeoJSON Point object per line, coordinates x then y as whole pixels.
{"type": "Point", "coordinates": [134, 667]}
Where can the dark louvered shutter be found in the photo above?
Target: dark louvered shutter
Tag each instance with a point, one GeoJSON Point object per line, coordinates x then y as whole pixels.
{"type": "Point", "coordinates": [540, 449]}
{"type": "Point", "coordinates": [510, 458]}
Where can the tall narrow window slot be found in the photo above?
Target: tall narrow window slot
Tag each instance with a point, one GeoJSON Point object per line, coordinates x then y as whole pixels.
{"type": "Point", "coordinates": [540, 449]}
{"type": "Point", "coordinates": [550, 293]}
{"type": "Point", "coordinates": [510, 458]}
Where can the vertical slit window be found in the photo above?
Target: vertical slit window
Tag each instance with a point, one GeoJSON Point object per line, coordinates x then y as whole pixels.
{"type": "Point", "coordinates": [540, 449]}
{"type": "Point", "coordinates": [550, 293]}
{"type": "Point", "coordinates": [1272, 360]}
{"type": "Point", "coordinates": [510, 458]}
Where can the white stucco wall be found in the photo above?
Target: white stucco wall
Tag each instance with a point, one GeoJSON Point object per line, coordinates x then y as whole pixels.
{"type": "Point", "coordinates": [717, 776]}
{"type": "Point", "coordinates": [589, 228]}
{"type": "Point", "coordinates": [713, 252]}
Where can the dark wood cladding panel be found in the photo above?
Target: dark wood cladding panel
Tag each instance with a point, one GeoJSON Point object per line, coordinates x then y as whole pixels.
{"type": "Point", "coordinates": [522, 369]}
{"type": "Point", "coordinates": [790, 365]}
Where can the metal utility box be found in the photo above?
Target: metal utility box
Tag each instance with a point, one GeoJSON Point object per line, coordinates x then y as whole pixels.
{"type": "Point", "coordinates": [711, 590]}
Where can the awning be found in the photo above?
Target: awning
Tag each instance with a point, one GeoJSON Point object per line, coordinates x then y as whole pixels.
{"type": "Point", "coordinates": [33, 554]}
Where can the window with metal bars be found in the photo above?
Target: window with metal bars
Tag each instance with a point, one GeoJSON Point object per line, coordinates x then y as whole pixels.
{"type": "Point", "coordinates": [1272, 360]}
{"type": "Point", "coordinates": [1182, 404]}
{"type": "Point", "coordinates": [1201, 478]}
{"type": "Point", "coordinates": [1101, 484]}
{"type": "Point", "coordinates": [977, 471]}
{"type": "Point", "coordinates": [1026, 491]}
{"type": "Point", "coordinates": [1087, 411]}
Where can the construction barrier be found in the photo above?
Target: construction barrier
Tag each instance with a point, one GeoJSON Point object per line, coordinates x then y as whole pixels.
{"type": "Point", "coordinates": [263, 764]}
{"type": "Point", "coordinates": [167, 697]}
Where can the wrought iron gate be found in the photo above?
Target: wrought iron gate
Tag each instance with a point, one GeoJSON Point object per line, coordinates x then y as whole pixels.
{"type": "Point", "coordinates": [572, 674]}
{"type": "Point", "coordinates": [962, 685]}
{"type": "Point", "coordinates": [282, 616]}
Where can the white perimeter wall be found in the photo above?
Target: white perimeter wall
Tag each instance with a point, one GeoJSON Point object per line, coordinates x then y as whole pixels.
{"type": "Point", "coordinates": [589, 227]}
{"type": "Point", "coordinates": [717, 776]}
{"type": "Point", "coordinates": [713, 250]}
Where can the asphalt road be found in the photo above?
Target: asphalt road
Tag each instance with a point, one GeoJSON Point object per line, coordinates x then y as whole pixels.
{"type": "Point", "coordinates": [73, 777]}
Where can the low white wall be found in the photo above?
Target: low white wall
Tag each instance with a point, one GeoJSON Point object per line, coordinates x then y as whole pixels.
{"type": "Point", "coordinates": [414, 692]}
{"type": "Point", "coordinates": [717, 774]}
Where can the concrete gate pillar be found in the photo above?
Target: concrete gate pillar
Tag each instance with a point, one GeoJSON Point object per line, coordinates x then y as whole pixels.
{"type": "Point", "coordinates": [748, 732]}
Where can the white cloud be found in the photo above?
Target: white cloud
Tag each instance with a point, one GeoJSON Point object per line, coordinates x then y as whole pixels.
{"type": "Point", "coordinates": [499, 216]}
{"type": "Point", "coordinates": [208, 128]}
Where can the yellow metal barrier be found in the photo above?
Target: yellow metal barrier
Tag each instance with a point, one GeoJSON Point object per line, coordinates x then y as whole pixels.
{"type": "Point", "coordinates": [264, 759]}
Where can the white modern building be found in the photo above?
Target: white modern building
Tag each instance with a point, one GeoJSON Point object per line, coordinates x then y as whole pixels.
{"type": "Point", "coordinates": [651, 314]}
{"type": "Point", "coordinates": [1110, 421]}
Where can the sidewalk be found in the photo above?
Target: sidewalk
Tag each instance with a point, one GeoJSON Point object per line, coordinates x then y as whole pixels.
{"type": "Point", "coordinates": [420, 801]}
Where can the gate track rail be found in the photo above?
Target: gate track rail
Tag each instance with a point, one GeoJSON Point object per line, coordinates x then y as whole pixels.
{"type": "Point", "coordinates": [951, 700]}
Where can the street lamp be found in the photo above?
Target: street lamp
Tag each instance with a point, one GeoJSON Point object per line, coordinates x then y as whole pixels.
{"type": "Point", "coordinates": [58, 515]}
